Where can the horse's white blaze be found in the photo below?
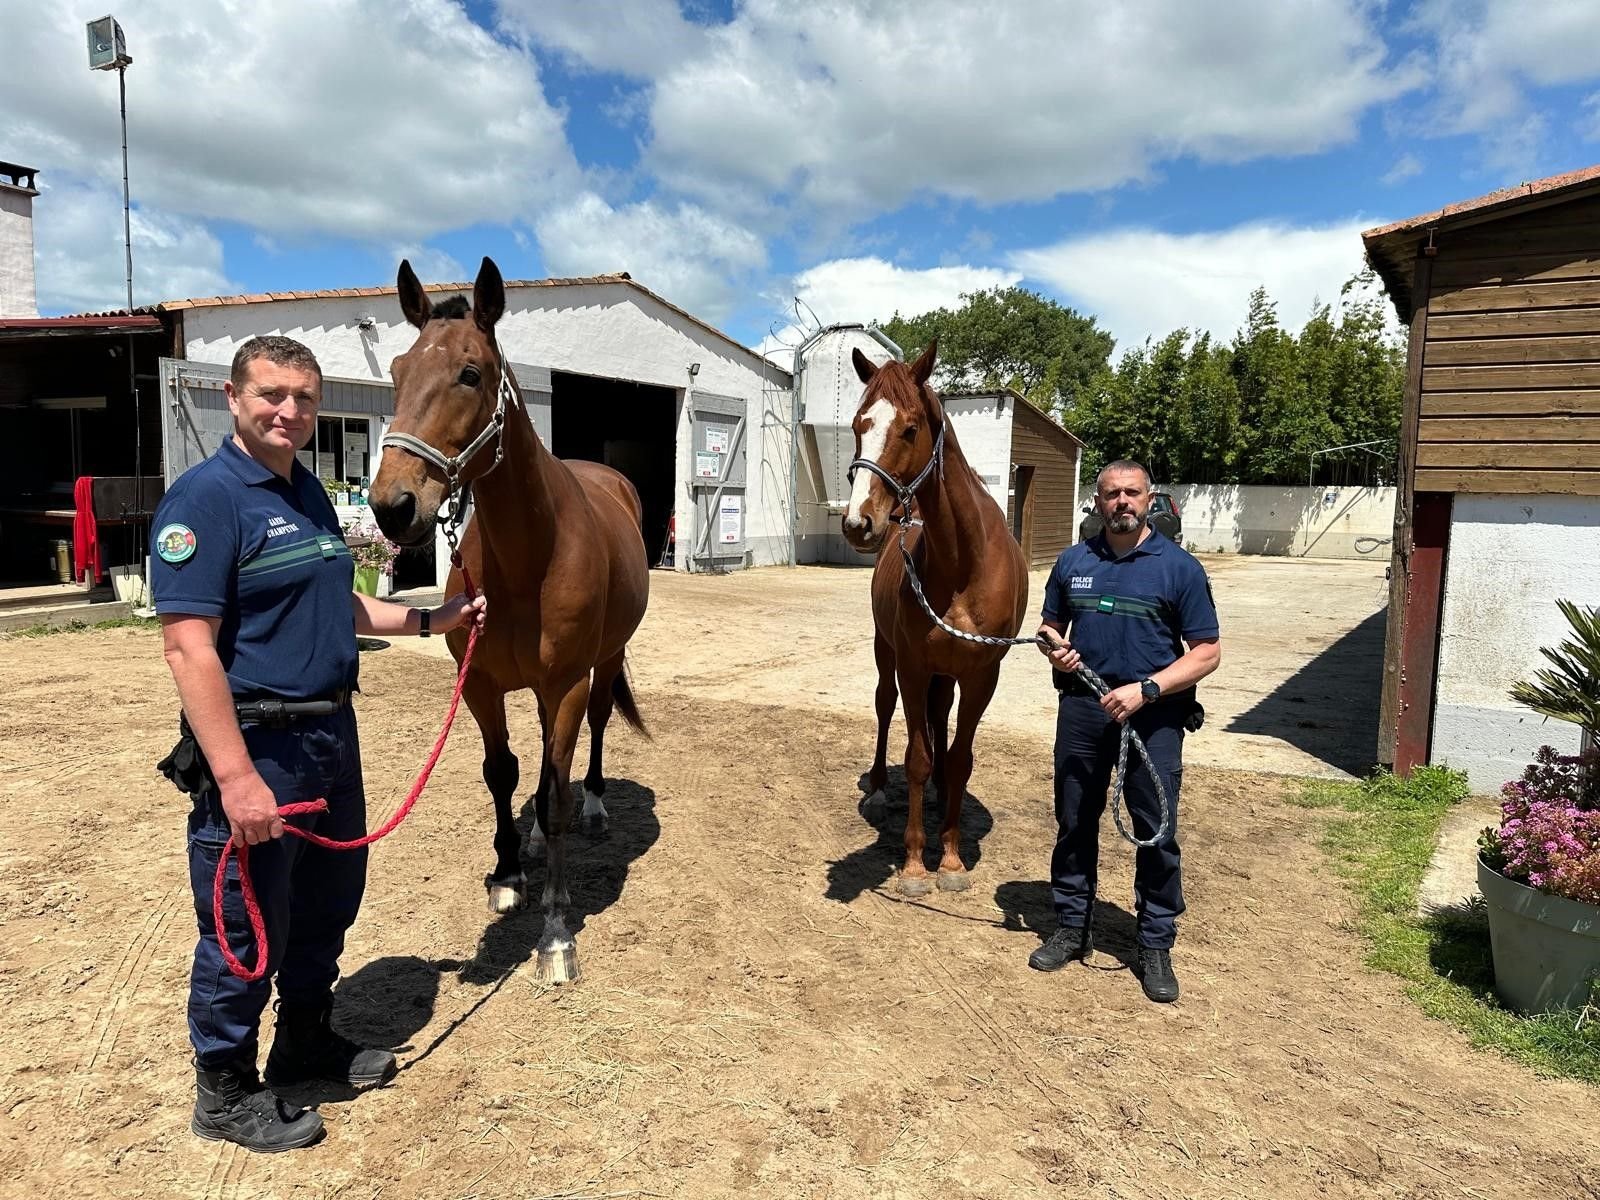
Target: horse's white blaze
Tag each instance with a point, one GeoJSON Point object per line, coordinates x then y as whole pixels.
{"type": "Point", "coordinates": [879, 417]}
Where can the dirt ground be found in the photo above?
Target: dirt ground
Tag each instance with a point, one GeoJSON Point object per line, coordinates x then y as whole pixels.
{"type": "Point", "coordinates": [760, 1013]}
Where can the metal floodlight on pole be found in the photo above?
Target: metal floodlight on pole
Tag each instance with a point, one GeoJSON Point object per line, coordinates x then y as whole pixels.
{"type": "Point", "coordinates": [109, 52]}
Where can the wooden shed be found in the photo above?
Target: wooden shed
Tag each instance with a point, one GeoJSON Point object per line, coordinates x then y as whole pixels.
{"type": "Point", "coordinates": [1498, 508]}
{"type": "Point", "coordinates": [1045, 464]}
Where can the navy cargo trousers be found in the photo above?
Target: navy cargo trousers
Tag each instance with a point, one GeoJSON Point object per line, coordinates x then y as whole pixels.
{"type": "Point", "coordinates": [309, 895]}
{"type": "Point", "coordinates": [1085, 760]}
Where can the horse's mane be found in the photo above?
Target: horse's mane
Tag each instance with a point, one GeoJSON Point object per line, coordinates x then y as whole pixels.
{"type": "Point", "coordinates": [453, 309]}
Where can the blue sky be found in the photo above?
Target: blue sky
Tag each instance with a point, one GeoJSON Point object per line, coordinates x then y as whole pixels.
{"type": "Point", "coordinates": [1147, 163]}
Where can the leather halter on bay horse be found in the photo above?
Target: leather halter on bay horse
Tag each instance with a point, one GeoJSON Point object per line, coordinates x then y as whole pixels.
{"type": "Point", "coordinates": [451, 464]}
{"type": "Point", "coordinates": [905, 493]}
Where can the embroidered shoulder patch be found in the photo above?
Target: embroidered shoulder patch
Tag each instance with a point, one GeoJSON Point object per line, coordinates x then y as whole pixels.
{"type": "Point", "coordinates": [175, 543]}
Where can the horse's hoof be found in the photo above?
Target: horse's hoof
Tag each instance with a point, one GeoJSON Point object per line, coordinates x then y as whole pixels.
{"type": "Point", "coordinates": [914, 885]}
{"type": "Point", "coordinates": [507, 897]}
{"type": "Point", "coordinates": [594, 820]}
{"type": "Point", "coordinates": [557, 966]}
{"type": "Point", "coordinates": [954, 881]}
{"type": "Point", "coordinates": [875, 806]}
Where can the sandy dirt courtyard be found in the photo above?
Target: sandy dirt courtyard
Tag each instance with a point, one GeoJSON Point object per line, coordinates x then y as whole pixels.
{"type": "Point", "coordinates": [760, 1013]}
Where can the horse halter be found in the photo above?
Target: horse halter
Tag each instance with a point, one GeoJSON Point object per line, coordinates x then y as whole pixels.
{"type": "Point", "coordinates": [451, 465]}
{"type": "Point", "coordinates": [904, 494]}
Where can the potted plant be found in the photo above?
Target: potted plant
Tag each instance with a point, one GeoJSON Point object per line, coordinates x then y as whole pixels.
{"type": "Point", "coordinates": [1539, 871]}
{"type": "Point", "coordinates": [374, 557]}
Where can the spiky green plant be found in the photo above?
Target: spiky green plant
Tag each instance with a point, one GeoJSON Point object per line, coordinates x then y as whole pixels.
{"type": "Point", "coordinates": [1569, 688]}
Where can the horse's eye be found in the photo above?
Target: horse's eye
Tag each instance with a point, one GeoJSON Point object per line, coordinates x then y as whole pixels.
{"type": "Point", "coordinates": [909, 433]}
{"type": "Point", "coordinates": [470, 376]}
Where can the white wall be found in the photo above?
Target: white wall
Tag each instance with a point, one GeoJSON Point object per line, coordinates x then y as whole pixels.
{"type": "Point", "coordinates": [1509, 559]}
{"type": "Point", "coordinates": [17, 298]}
{"type": "Point", "coordinates": [607, 330]}
{"type": "Point", "coordinates": [983, 426]}
{"type": "Point", "coordinates": [1324, 522]}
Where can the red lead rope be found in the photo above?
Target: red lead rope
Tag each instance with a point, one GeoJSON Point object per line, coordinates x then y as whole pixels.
{"type": "Point", "coordinates": [258, 925]}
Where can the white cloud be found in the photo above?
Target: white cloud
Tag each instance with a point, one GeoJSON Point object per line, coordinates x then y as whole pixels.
{"type": "Point", "coordinates": [631, 37]}
{"type": "Point", "coordinates": [1489, 53]}
{"type": "Point", "coordinates": [1141, 283]}
{"type": "Point", "coordinates": [431, 265]}
{"type": "Point", "coordinates": [691, 257]}
{"type": "Point", "coordinates": [379, 120]}
{"type": "Point", "coordinates": [1407, 166]}
{"type": "Point", "coordinates": [849, 108]}
{"type": "Point", "coordinates": [79, 261]}
{"type": "Point", "coordinates": [870, 289]}
{"type": "Point", "coordinates": [1589, 124]}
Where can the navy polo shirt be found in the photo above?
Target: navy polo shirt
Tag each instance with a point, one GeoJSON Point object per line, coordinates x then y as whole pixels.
{"type": "Point", "coordinates": [1130, 616]}
{"type": "Point", "coordinates": [233, 539]}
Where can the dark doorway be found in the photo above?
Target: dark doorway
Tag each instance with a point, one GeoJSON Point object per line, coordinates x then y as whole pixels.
{"type": "Point", "coordinates": [630, 427]}
{"type": "Point", "coordinates": [1022, 511]}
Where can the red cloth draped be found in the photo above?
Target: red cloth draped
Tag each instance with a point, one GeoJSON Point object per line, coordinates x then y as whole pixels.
{"type": "Point", "coordinates": [85, 531]}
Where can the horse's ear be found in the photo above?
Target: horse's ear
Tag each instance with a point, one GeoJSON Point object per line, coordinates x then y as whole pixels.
{"type": "Point", "coordinates": [922, 369]}
{"type": "Point", "coordinates": [413, 300]}
{"type": "Point", "coordinates": [488, 296]}
{"type": "Point", "coordinates": [864, 367]}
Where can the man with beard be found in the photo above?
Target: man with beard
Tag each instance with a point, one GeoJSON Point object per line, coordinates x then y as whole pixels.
{"type": "Point", "coordinates": [1137, 610]}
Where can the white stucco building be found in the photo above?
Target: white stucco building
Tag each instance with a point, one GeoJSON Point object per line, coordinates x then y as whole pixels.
{"type": "Point", "coordinates": [609, 371]}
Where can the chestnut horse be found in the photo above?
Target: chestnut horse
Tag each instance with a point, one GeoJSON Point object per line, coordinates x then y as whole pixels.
{"type": "Point", "coordinates": [555, 545]}
{"type": "Point", "coordinates": [972, 573]}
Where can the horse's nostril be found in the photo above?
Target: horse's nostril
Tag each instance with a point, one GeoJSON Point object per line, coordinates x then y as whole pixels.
{"type": "Point", "coordinates": [399, 515]}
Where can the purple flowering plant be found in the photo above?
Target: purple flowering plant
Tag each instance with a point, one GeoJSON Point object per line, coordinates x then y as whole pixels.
{"type": "Point", "coordinates": [1549, 834]}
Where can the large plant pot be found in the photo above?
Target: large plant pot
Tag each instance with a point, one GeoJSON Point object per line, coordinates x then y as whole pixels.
{"type": "Point", "coordinates": [1546, 948]}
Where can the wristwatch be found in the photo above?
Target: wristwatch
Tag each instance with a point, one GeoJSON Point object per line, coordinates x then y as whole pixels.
{"type": "Point", "coordinates": [1150, 689]}
{"type": "Point", "coordinates": [427, 621]}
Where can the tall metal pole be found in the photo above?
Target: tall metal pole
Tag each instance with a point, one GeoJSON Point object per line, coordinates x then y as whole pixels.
{"type": "Point", "coordinates": [127, 248]}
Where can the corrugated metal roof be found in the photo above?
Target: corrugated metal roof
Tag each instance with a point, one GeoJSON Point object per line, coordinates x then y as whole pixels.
{"type": "Point", "coordinates": [1391, 249]}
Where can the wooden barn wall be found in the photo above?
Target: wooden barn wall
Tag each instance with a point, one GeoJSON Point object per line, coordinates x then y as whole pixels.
{"type": "Point", "coordinates": [1038, 443]}
{"type": "Point", "coordinates": [1511, 368]}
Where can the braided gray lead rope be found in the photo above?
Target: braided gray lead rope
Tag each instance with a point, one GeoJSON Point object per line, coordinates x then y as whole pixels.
{"type": "Point", "coordinates": [1119, 801]}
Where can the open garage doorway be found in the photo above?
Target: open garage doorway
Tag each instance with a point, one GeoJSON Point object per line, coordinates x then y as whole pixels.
{"type": "Point", "coordinates": [632, 428]}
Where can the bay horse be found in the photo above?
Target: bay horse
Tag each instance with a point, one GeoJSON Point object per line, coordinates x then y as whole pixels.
{"type": "Point", "coordinates": [556, 546]}
{"type": "Point", "coordinates": [972, 573]}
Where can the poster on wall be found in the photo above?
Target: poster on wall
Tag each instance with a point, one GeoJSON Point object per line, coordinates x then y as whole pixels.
{"type": "Point", "coordinates": [707, 465]}
{"type": "Point", "coordinates": [731, 524]}
{"type": "Point", "coordinates": [716, 439]}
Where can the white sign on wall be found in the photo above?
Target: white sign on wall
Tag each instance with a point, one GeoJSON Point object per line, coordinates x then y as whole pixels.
{"type": "Point", "coordinates": [731, 524]}
{"type": "Point", "coordinates": [716, 439]}
{"type": "Point", "coordinates": [707, 465]}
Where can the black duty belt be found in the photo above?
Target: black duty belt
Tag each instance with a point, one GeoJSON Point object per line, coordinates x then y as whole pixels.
{"type": "Point", "coordinates": [272, 711]}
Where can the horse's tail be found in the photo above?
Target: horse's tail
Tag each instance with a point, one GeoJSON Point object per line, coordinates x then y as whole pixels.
{"type": "Point", "coordinates": [623, 695]}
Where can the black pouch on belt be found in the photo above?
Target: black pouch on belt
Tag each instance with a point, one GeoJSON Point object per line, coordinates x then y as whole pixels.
{"type": "Point", "coordinates": [186, 764]}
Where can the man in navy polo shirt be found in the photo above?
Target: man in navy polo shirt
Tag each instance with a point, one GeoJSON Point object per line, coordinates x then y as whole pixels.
{"type": "Point", "coordinates": [1137, 610]}
{"type": "Point", "coordinates": [252, 582]}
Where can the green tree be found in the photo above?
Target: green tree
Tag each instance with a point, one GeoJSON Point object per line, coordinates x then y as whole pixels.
{"type": "Point", "coordinates": [1009, 337]}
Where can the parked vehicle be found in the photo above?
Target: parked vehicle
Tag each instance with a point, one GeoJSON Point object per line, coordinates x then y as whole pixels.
{"type": "Point", "coordinates": [1164, 518]}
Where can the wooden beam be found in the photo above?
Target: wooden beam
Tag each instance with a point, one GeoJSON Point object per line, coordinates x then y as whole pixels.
{"type": "Point", "coordinates": [1405, 494]}
{"type": "Point", "coordinates": [1509, 429]}
{"type": "Point", "coordinates": [1521, 404]}
{"type": "Point", "coordinates": [1531, 323]}
{"type": "Point", "coordinates": [1536, 456]}
{"type": "Point", "coordinates": [1420, 651]}
{"type": "Point", "coordinates": [1512, 483]}
{"type": "Point", "coordinates": [1523, 295]}
{"type": "Point", "coordinates": [1452, 273]}
{"type": "Point", "coordinates": [1502, 379]}
{"type": "Point", "coordinates": [1507, 350]}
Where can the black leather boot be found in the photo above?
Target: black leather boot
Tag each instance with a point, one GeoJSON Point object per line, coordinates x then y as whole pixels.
{"type": "Point", "coordinates": [306, 1048]}
{"type": "Point", "coordinates": [231, 1106]}
{"type": "Point", "coordinates": [1156, 975]}
{"type": "Point", "coordinates": [1065, 944]}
